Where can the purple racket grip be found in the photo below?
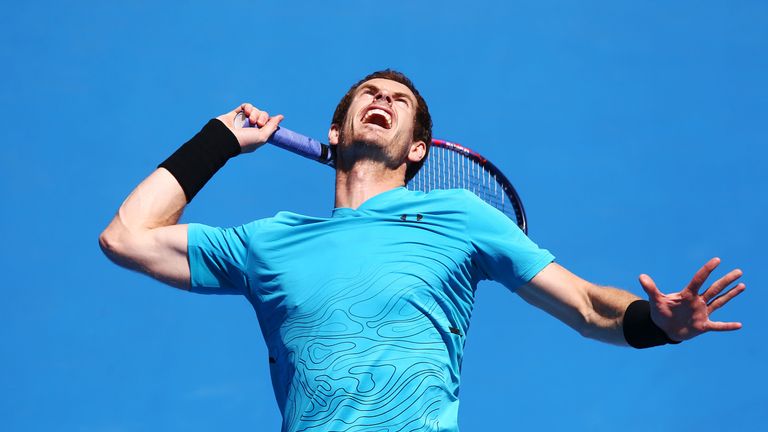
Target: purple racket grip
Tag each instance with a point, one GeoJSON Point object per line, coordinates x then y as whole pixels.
{"type": "Point", "coordinates": [294, 142]}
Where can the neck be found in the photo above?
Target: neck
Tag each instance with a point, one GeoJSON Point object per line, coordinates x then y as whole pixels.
{"type": "Point", "coordinates": [365, 180]}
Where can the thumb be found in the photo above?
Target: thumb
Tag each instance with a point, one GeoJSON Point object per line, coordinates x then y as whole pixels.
{"type": "Point", "coordinates": [252, 138]}
{"type": "Point", "coordinates": [271, 126]}
{"type": "Point", "coordinates": [649, 286]}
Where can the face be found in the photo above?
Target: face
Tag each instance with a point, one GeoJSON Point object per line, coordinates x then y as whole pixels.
{"type": "Point", "coordinates": [380, 119]}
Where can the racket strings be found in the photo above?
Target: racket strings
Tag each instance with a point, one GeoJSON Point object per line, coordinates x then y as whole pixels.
{"type": "Point", "coordinates": [448, 169]}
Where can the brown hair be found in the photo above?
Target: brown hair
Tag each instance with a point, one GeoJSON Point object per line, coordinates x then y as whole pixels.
{"type": "Point", "coordinates": [422, 128]}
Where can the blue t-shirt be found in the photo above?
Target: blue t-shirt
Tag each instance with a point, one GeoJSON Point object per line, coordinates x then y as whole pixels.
{"type": "Point", "coordinates": [365, 313]}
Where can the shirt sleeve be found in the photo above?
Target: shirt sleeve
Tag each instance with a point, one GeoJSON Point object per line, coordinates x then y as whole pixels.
{"type": "Point", "coordinates": [502, 250]}
{"type": "Point", "coordinates": [217, 259]}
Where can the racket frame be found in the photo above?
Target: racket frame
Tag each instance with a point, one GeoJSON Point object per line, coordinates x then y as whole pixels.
{"type": "Point", "coordinates": [493, 170]}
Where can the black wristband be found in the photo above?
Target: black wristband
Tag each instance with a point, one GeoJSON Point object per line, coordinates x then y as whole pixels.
{"type": "Point", "coordinates": [194, 163]}
{"type": "Point", "coordinates": [639, 329]}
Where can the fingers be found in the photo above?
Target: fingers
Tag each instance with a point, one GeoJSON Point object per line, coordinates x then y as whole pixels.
{"type": "Point", "coordinates": [725, 298]}
{"type": "Point", "coordinates": [701, 276]}
{"type": "Point", "coordinates": [254, 115]}
{"type": "Point", "coordinates": [271, 125]}
{"type": "Point", "coordinates": [723, 326]}
{"type": "Point", "coordinates": [253, 138]}
{"type": "Point", "coordinates": [649, 286]}
{"type": "Point", "coordinates": [720, 284]}
{"type": "Point", "coordinates": [259, 118]}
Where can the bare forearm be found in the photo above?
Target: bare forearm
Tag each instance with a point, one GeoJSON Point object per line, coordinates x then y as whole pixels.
{"type": "Point", "coordinates": [604, 318]}
{"type": "Point", "coordinates": [616, 316]}
{"type": "Point", "coordinates": [160, 199]}
{"type": "Point", "coordinates": [594, 311]}
{"type": "Point", "coordinates": [157, 201]}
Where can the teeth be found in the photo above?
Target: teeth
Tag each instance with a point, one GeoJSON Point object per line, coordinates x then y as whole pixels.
{"type": "Point", "coordinates": [380, 112]}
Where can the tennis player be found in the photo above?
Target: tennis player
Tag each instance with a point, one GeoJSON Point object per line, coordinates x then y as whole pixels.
{"type": "Point", "coordinates": [365, 313]}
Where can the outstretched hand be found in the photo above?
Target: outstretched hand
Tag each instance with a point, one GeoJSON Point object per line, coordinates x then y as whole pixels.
{"type": "Point", "coordinates": [685, 315]}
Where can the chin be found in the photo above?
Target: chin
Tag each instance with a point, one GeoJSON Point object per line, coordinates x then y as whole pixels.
{"type": "Point", "coordinates": [369, 145]}
{"type": "Point", "coordinates": [369, 137]}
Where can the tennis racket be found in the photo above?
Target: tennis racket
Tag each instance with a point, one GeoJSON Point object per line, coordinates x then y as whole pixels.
{"type": "Point", "coordinates": [448, 166]}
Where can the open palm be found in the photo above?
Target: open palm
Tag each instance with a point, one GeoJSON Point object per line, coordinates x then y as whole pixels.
{"type": "Point", "coordinates": [685, 315]}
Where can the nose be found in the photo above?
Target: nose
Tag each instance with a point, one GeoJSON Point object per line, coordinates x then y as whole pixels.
{"type": "Point", "coordinates": [383, 96]}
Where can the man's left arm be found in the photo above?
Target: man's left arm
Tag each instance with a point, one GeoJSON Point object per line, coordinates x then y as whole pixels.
{"type": "Point", "coordinates": [619, 317]}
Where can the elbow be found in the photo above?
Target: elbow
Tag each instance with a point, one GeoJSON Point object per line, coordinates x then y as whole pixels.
{"type": "Point", "coordinates": [108, 242]}
{"type": "Point", "coordinates": [123, 247]}
{"type": "Point", "coordinates": [116, 246]}
{"type": "Point", "coordinates": [110, 245]}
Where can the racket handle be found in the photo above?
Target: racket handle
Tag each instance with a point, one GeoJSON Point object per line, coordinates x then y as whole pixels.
{"type": "Point", "coordinates": [294, 142]}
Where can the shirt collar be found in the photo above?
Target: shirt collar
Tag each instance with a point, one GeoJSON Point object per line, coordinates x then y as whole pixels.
{"type": "Point", "coordinates": [375, 202]}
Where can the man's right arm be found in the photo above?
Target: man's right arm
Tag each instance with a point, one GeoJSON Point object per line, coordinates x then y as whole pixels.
{"type": "Point", "coordinates": [144, 236]}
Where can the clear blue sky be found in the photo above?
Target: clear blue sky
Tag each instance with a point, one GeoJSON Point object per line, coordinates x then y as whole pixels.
{"type": "Point", "coordinates": [635, 132]}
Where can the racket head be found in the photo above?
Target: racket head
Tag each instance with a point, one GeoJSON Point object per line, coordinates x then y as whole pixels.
{"type": "Point", "coordinates": [452, 166]}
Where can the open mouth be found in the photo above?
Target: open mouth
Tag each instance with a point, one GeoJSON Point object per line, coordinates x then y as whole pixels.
{"type": "Point", "coordinates": [378, 117]}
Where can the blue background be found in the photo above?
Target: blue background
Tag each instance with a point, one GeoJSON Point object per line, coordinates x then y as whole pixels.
{"type": "Point", "coordinates": [635, 132]}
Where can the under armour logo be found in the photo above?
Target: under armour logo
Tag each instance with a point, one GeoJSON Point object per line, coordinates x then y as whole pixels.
{"type": "Point", "coordinates": [419, 217]}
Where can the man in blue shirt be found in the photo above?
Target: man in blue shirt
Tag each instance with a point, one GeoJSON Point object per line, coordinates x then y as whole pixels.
{"type": "Point", "coordinates": [365, 312]}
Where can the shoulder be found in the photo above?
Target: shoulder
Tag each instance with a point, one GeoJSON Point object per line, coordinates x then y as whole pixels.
{"type": "Point", "coordinates": [287, 219]}
{"type": "Point", "coordinates": [448, 194]}
{"type": "Point", "coordinates": [278, 223]}
{"type": "Point", "coordinates": [453, 198]}
{"type": "Point", "coordinates": [283, 219]}
{"type": "Point", "coordinates": [462, 201]}
{"type": "Point", "coordinates": [458, 203]}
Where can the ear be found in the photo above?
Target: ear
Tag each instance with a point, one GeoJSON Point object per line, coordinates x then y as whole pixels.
{"type": "Point", "coordinates": [333, 134]}
{"type": "Point", "coordinates": [418, 151]}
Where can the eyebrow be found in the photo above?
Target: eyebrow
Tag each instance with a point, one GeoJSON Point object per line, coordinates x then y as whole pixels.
{"type": "Point", "coordinates": [395, 94]}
